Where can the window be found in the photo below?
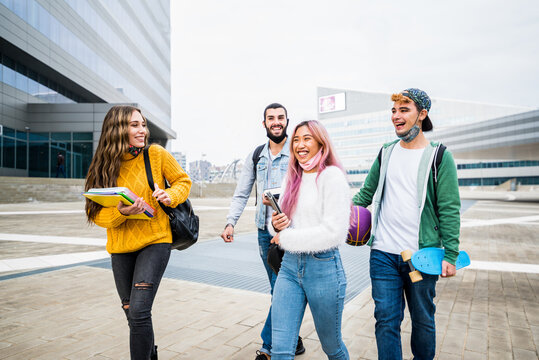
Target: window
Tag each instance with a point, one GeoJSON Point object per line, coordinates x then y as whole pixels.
{"type": "Point", "coordinates": [21, 154]}
{"type": "Point", "coordinates": [39, 159]}
{"type": "Point", "coordinates": [8, 152]}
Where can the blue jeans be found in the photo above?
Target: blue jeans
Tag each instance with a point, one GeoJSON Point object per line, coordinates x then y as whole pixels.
{"type": "Point", "coordinates": [317, 279]}
{"type": "Point", "coordinates": [390, 284]}
{"type": "Point", "coordinates": [264, 238]}
{"type": "Point", "coordinates": [137, 276]}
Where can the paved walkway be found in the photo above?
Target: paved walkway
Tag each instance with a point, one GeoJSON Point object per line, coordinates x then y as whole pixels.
{"type": "Point", "coordinates": [70, 309]}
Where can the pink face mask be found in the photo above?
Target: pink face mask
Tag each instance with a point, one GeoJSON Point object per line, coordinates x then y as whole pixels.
{"type": "Point", "coordinates": [312, 162]}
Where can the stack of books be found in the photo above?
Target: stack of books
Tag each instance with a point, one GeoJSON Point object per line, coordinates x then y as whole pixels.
{"type": "Point", "coordinates": [110, 197]}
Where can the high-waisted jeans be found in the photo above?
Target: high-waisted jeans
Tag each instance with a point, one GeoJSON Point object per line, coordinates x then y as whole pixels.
{"type": "Point", "coordinates": [137, 276]}
{"type": "Point", "coordinates": [317, 279]}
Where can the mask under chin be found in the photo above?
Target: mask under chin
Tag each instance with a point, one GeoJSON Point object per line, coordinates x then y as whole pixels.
{"type": "Point", "coordinates": [410, 134]}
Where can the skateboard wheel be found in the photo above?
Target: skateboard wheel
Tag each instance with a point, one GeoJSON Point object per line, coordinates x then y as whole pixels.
{"type": "Point", "coordinates": [406, 255]}
{"type": "Point", "coordinates": [415, 276]}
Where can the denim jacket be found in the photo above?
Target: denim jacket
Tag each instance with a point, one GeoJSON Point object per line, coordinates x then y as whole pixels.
{"type": "Point", "coordinates": [279, 166]}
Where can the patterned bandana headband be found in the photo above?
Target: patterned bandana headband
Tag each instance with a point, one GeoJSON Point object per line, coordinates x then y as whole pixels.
{"type": "Point", "coordinates": [423, 102]}
{"type": "Point", "coordinates": [419, 97]}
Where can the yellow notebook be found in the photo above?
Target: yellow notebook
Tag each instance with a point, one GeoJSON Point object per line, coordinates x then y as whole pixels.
{"type": "Point", "coordinates": [110, 197]}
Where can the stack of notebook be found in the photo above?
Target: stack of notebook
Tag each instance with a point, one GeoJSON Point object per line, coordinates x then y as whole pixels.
{"type": "Point", "coordinates": [110, 197]}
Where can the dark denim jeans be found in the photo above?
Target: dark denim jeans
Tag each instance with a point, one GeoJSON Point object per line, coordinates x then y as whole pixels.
{"type": "Point", "coordinates": [137, 276]}
{"type": "Point", "coordinates": [390, 284]}
{"type": "Point", "coordinates": [264, 238]}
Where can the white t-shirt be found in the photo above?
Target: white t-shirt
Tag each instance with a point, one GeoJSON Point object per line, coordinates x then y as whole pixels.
{"type": "Point", "coordinates": [398, 222]}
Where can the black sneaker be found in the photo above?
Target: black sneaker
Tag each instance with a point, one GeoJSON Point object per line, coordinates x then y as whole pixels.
{"type": "Point", "coordinates": [300, 349]}
{"type": "Point", "coordinates": [262, 356]}
{"type": "Point", "coordinates": [154, 353]}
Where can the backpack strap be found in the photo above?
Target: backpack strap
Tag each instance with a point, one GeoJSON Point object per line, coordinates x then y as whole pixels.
{"type": "Point", "coordinates": [256, 159]}
{"type": "Point", "coordinates": [438, 155]}
{"type": "Point", "coordinates": [256, 156]}
{"type": "Point", "coordinates": [380, 156]}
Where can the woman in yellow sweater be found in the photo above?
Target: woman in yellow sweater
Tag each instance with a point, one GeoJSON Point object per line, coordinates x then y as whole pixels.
{"type": "Point", "coordinates": [140, 249]}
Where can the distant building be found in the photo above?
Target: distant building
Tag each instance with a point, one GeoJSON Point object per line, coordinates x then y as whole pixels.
{"type": "Point", "coordinates": [64, 63]}
{"type": "Point", "coordinates": [181, 159]}
{"type": "Point", "coordinates": [487, 136]}
{"type": "Point", "coordinates": [200, 170]}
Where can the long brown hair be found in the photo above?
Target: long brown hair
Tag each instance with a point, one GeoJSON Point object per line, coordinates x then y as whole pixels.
{"type": "Point", "coordinates": [113, 144]}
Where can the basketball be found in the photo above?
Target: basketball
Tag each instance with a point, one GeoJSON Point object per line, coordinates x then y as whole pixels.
{"type": "Point", "coordinates": [360, 226]}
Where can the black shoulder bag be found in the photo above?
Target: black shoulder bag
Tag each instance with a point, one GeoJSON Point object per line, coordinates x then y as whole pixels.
{"type": "Point", "coordinates": [183, 221]}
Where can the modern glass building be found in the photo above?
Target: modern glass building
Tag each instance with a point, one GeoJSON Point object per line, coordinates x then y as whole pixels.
{"type": "Point", "coordinates": [360, 122]}
{"type": "Point", "coordinates": [64, 63]}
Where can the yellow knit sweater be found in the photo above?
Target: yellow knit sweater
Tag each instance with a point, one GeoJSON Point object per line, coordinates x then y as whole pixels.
{"type": "Point", "coordinates": [128, 235]}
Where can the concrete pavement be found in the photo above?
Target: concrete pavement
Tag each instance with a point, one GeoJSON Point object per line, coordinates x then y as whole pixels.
{"type": "Point", "coordinates": [71, 311]}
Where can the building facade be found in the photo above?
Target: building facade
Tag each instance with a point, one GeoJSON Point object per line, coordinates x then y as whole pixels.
{"type": "Point", "coordinates": [64, 63]}
{"type": "Point", "coordinates": [181, 159]}
{"type": "Point", "coordinates": [360, 122]}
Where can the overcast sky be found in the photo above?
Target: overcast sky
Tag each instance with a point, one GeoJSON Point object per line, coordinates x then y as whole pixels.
{"type": "Point", "coordinates": [232, 58]}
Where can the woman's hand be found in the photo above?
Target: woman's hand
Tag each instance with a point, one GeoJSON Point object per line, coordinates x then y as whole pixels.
{"type": "Point", "coordinates": [279, 221]}
{"type": "Point", "coordinates": [161, 195]}
{"type": "Point", "coordinates": [136, 208]}
{"type": "Point", "coordinates": [275, 239]}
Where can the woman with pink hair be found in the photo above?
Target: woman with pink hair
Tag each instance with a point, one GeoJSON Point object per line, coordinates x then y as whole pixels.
{"type": "Point", "coordinates": [315, 202]}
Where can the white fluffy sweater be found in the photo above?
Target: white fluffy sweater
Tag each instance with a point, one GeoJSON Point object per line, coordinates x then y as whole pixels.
{"type": "Point", "coordinates": [322, 215]}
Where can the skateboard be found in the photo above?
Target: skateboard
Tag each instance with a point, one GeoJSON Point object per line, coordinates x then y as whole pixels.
{"type": "Point", "coordinates": [415, 275]}
{"type": "Point", "coordinates": [429, 260]}
{"type": "Point", "coordinates": [360, 226]}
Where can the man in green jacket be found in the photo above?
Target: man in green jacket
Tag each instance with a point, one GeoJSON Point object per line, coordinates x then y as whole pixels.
{"type": "Point", "coordinates": [416, 205]}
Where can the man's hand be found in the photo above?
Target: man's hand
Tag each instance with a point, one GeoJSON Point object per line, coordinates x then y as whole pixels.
{"type": "Point", "coordinates": [228, 233]}
{"type": "Point", "coordinates": [136, 208]}
{"type": "Point", "coordinates": [279, 221]}
{"type": "Point", "coordinates": [265, 200]}
{"type": "Point", "coordinates": [448, 269]}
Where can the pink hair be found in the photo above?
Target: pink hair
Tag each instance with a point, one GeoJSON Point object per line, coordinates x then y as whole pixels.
{"type": "Point", "coordinates": [295, 172]}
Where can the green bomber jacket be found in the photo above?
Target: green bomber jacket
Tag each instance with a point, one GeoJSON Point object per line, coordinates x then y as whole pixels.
{"type": "Point", "coordinates": [439, 204]}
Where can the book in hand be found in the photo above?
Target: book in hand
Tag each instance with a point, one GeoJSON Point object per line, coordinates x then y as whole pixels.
{"type": "Point", "coordinates": [110, 197]}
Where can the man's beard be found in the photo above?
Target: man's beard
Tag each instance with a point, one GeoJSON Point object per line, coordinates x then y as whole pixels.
{"type": "Point", "coordinates": [277, 139]}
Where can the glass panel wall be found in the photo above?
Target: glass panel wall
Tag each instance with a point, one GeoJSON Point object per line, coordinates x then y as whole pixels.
{"type": "Point", "coordinates": [29, 82]}
{"type": "Point", "coordinates": [46, 154]}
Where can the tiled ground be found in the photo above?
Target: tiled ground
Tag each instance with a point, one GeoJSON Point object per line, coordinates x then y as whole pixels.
{"type": "Point", "coordinates": [74, 313]}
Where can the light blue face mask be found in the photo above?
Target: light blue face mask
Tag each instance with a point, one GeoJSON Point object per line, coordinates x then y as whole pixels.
{"type": "Point", "coordinates": [410, 134]}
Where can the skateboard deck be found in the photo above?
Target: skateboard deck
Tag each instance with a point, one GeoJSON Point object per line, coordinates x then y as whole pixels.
{"type": "Point", "coordinates": [429, 260]}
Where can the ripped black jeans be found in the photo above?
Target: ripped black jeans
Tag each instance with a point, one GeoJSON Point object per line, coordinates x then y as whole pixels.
{"type": "Point", "coordinates": [137, 276]}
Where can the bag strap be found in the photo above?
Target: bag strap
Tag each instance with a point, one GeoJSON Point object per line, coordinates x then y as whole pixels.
{"type": "Point", "coordinates": [149, 176]}
{"type": "Point", "coordinates": [256, 159]}
{"type": "Point", "coordinates": [438, 160]}
{"type": "Point", "coordinates": [438, 155]}
{"type": "Point", "coordinates": [256, 156]}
